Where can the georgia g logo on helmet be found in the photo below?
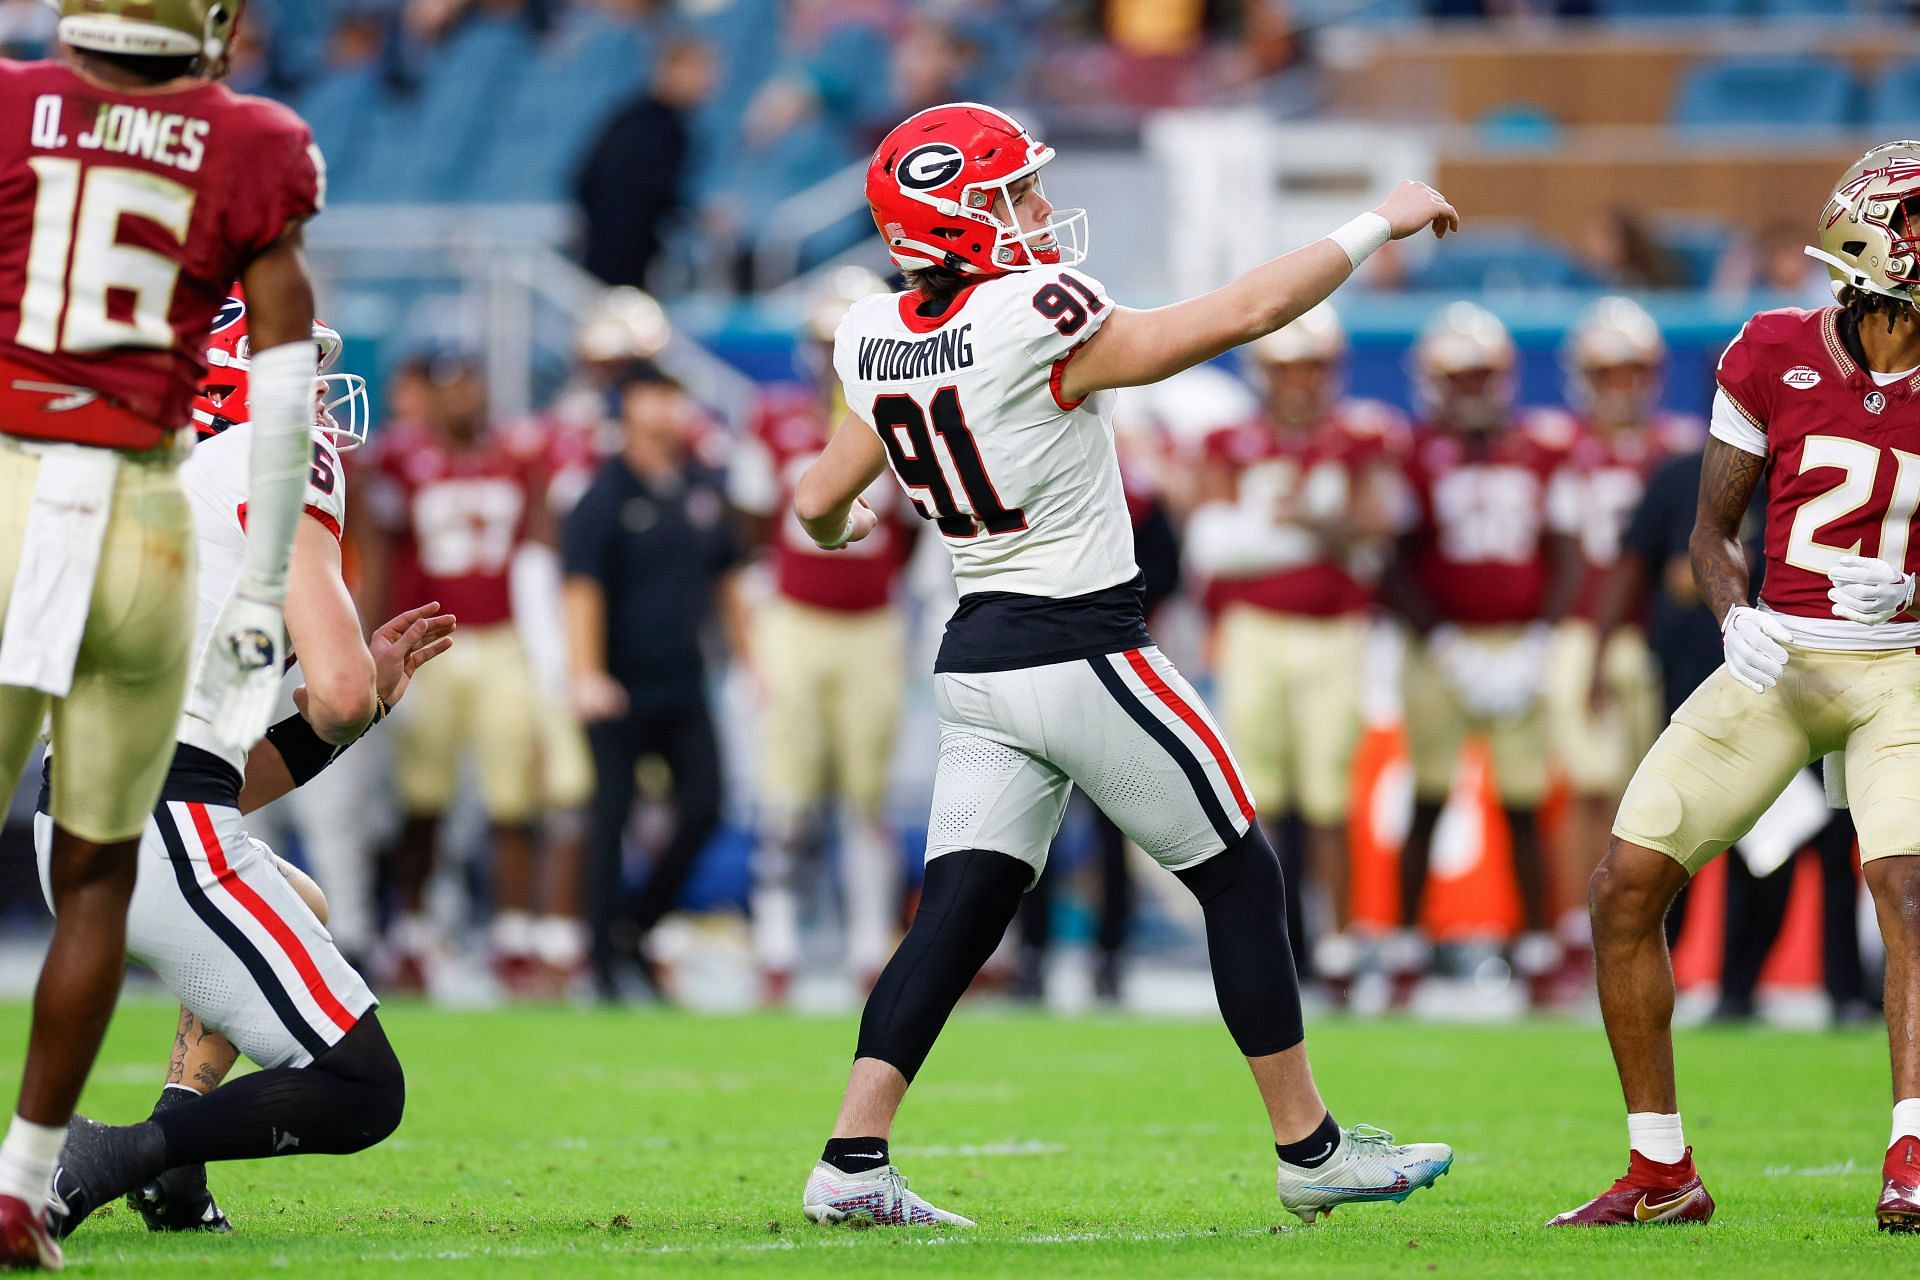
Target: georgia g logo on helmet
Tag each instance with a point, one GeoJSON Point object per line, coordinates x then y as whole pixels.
{"type": "Point", "coordinates": [932, 165]}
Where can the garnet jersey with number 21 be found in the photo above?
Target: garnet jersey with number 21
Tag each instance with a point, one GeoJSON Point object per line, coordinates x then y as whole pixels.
{"type": "Point", "coordinates": [1023, 484]}
{"type": "Point", "coordinates": [1845, 466]}
{"type": "Point", "coordinates": [125, 217]}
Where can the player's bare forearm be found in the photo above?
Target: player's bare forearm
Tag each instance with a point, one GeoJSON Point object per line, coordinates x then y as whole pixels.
{"type": "Point", "coordinates": [584, 602]}
{"type": "Point", "coordinates": [1566, 566]}
{"type": "Point", "coordinates": [1621, 591]}
{"type": "Point", "coordinates": [1138, 348]}
{"type": "Point", "coordinates": [279, 294]}
{"type": "Point", "coordinates": [825, 496]}
{"type": "Point", "coordinates": [1728, 477]}
{"type": "Point", "coordinates": [1135, 348]}
{"type": "Point", "coordinates": [268, 777]}
{"type": "Point", "coordinates": [324, 627]}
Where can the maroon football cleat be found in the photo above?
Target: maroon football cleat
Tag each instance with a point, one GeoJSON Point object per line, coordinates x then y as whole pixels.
{"type": "Point", "coordinates": [26, 1243]}
{"type": "Point", "coordinates": [1899, 1207]}
{"type": "Point", "coordinates": [1651, 1192]}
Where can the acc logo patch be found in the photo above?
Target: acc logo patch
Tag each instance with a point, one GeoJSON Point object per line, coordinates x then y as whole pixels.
{"type": "Point", "coordinates": [231, 312]}
{"type": "Point", "coordinates": [1875, 402]}
{"type": "Point", "coordinates": [1800, 377]}
{"type": "Point", "coordinates": [929, 166]}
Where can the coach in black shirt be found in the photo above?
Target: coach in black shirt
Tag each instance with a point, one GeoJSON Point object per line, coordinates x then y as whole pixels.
{"type": "Point", "coordinates": [649, 556]}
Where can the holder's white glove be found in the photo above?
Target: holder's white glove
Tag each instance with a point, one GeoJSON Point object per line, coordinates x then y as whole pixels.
{"type": "Point", "coordinates": [241, 672]}
{"type": "Point", "coordinates": [1869, 591]}
{"type": "Point", "coordinates": [1755, 642]}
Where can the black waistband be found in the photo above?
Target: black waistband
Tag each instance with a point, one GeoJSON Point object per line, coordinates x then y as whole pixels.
{"type": "Point", "coordinates": [1005, 630]}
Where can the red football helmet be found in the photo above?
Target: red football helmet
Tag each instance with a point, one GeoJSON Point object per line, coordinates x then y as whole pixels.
{"type": "Point", "coordinates": [936, 181]}
{"type": "Point", "coordinates": [341, 410]}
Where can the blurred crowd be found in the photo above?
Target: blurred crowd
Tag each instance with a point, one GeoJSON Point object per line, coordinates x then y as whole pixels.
{"type": "Point", "coordinates": [654, 661]}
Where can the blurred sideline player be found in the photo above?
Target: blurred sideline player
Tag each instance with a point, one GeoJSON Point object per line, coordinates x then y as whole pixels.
{"type": "Point", "coordinates": [988, 389]}
{"type": "Point", "coordinates": [233, 932]}
{"type": "Point", "coordinates": [829, 654]}
{"type": "Point", "coordinates": [116, 258]}
{"type": "Point", "coordinates": [578, 432]}
{"type": "Point", "coordinates": [1603, 709]}
{"type": "Point", "coordinates": [448, 501]}
{"type": "Point", "coordinates": [1826, 404]}
{"type": "Point", "coordinates": [1291, 508]}
{"type": "Point", "coordinates": [1487, 563]}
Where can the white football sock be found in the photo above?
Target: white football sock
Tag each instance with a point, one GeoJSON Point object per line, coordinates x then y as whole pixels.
{"type": "Point", "coordinates": [27, 1159]}
{"type": "Point", "coordinates": [1656, 1136]}
{"type": "Point", "coordinates": [1906, 1120]}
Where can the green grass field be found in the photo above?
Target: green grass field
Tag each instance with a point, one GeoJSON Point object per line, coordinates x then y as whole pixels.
{"type": "Point", "coordinates": [593, 1143]}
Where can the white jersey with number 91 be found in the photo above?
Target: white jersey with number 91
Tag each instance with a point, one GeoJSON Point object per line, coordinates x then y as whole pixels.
{"type": "Point", "coordinates": [1023, 484]}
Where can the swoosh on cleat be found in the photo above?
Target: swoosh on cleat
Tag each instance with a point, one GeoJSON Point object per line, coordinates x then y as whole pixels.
{"type": "Point", "coordinates": [1646, 1211]}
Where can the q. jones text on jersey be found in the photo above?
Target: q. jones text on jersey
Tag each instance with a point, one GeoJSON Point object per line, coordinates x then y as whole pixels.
{"type": "Point", "coordinates": [160, 136]}
{"type": "Point", "coordinates": [901, 360]}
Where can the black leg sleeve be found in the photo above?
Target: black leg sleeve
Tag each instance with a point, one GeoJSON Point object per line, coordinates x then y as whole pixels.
{"type": "Point", "coordinates": [969, 899]}
{"type": "Point", "coordinates": [349, 1099]}
{"type": "Point", "coordinates": [1244, 900]}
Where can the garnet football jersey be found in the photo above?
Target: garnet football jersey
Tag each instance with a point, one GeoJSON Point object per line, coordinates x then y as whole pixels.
{"type": "Point", "coordinates": [124, 219]}
{"type": "Point", "coordinates": [1613, 468]}
{"type": "Point", "coordinates": [1023, 486]}
{"type": "Point", "coordinates": [1479, 514]}
{"type": "Point", "coordinates": [1316, 471]}
{"type": "Point", "coordinates": [456, 515]}
{"type": "Point", "coordinates": [1844, 473]}
{"type": "Point", "coordinates": [215, 478]}
{"type": "Point", "coordinates": [789, 431]}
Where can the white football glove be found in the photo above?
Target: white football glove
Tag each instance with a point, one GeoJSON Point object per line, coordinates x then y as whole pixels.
{"type": "Point", "coordinates": [1869, 591]}
{"type": "Point", "coordinates": [241, 673]}
{"type": "Point", "coordinates": [1755, 642]}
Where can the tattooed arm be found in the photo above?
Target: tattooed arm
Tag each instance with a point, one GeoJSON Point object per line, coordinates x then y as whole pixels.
{"type": "Point", "coordinates": [1727, 480]}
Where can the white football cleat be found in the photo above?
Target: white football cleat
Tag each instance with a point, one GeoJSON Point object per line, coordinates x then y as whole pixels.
{"type": "Point", "coordinates": [878, 1197]}
{"type": "Point", "coordinates": [1367, 1165]}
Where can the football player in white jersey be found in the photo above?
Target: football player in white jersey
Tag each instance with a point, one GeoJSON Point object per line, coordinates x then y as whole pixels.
{"type": "Point", "coordinates": [234, 933]}
{"type": "Point", "coordinates": [988, 387]}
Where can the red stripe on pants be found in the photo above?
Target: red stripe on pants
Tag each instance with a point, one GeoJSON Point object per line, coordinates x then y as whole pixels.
{"type": "Point", "coordinates": [269, 919]}
{"type": "Point", "coordinates": [1194, 721]}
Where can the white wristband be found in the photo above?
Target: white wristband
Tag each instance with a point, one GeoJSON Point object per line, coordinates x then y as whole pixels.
{"type": "Point", "coordinates": [840, 540]}
{"type": "Point", "coordinates": [1361, 237]}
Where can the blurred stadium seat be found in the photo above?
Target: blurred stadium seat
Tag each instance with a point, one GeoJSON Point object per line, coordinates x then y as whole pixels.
{"type": "Point", "coordinates": [1505, 259]}
{"type": "Point", "coordinates": [1893, 100]}
{"type": "Point", "coordinates": [1788, 94]}
{"type": "Point", "coordinates": [1675, 10]}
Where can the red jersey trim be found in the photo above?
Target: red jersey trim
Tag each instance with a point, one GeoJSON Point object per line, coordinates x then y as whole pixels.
{"type": "Point", "coordinates": [1053, 383]}
{"type": "Point", "coordinates": [327, 522]}
{"type": "Point", "coordinates": [911, 317]}
{"type": "Point", "coordinates": [1836, 349]}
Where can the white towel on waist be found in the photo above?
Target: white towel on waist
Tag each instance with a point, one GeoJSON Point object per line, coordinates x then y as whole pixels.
{"type": "Point", "coordinates": [46, 616]}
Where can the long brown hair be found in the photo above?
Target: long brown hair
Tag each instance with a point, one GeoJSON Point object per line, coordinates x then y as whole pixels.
{"type": "Point", "coordinates": [937, 284]}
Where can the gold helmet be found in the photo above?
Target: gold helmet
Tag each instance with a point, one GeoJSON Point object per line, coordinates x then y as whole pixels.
{"type": "Point", "coordinates": [842, 289]}
{"type": "Point", "coordinates": [1315, 336]}
{"type": "Point", "coordinates": [1464, 338]}
{"type": "Point", "coordinates": [1870, 229]}
{"type": "Point", "coordinates": [200, 29]}
{"type": "Point", "coordinates": [1612, 333]}
{"type": "Point", "coordinates": [625, 324]}
{"type": "Point", "coordinates": [1300, 365]}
